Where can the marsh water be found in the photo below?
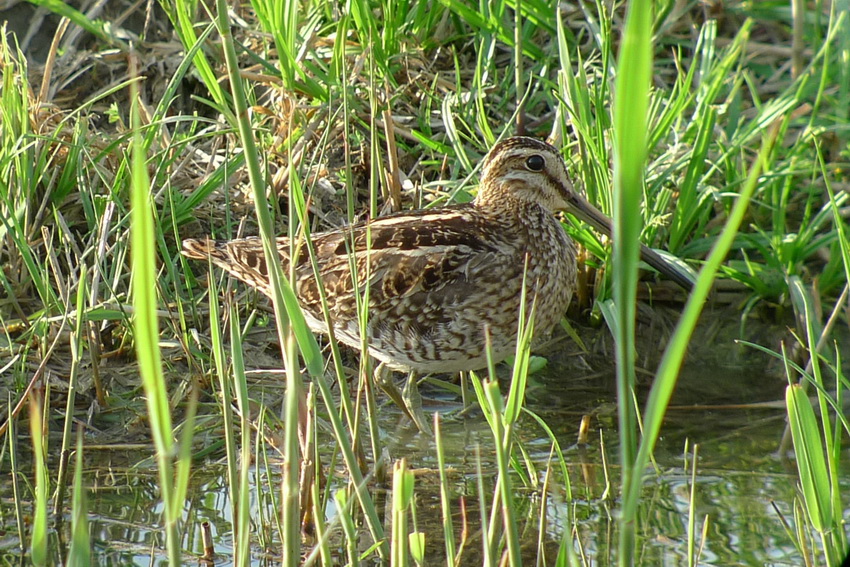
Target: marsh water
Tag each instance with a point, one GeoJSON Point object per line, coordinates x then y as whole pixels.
{"type": "Point", "coordinates": [743, 487]}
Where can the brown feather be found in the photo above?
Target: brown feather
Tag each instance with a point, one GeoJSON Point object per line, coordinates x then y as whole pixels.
{"type": "Point", "coordinates": [437, 278]}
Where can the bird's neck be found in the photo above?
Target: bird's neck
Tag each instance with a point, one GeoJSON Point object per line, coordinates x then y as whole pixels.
{"type": "Point", "coordinates": [505, 204]}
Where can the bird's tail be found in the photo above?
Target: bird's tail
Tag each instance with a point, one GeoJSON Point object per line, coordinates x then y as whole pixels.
{"type": "Point", "coordinates": [201, 249]}
{"type": "Point", "coordinates": [243, 258]}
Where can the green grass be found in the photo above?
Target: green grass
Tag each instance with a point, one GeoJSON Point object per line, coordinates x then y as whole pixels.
{"type": "Point", "coordinates": [692, 132]}
{"type": "Point", "coordinates": [145, 326]}
{"type": "Point", "coordinates": [630, 126]}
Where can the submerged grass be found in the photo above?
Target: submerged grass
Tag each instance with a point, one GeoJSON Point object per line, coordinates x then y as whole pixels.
{"type": "Point", "coordinates": [683, 126]}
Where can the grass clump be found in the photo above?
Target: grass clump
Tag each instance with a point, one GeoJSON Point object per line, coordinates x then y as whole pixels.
{"type": "Point", "coordinates": [288, 118]}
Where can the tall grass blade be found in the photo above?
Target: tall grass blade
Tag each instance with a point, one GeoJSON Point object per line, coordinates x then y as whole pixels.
{"type": "Point", "coordinates": [818, 450]}
{"type": "Point", "coordinates": [504, 494]}
{"type": "Point", "coordinates": [674, 354]}
{"type": "Point", "coordinates": [522, 357]}
{"type": "Point", "coordinates": [837, 219]}
{"type": "Point", "coordinates": [445, 500]}
{"type": "Point", "coordinates": [183, 18]}
{"type": "Point", "coordinates": [76, 356]}
{"type": "Point", "coordinates": [811, 462]}
{"type": "Point", "coordinates": [146, 327]}
{"type": "Point", "coordinates": [403, 485]}
{"type": "Point", "coordinates": [80, 553]}
{"type": "Point", "coordinates": [630, 127]}
{"type": "Point", "coordinates": [98, 28]}
{"type": "Point", "coordinates": [242, 520]}
{"type": "Point", "coordinates": [348, 527]}
{"type": "Point", "coordinates": [226, 387]}
{"type": "Point", "coordinates": [488, 551]}
{"type": "Point", "coordinates": [284, 307]}
{"type": "Point", "coordinates": [693, 558]}
{"type": "Point", "coordinates": [11, 438]}
{"type": "Point", "coordinates": [38, 539]}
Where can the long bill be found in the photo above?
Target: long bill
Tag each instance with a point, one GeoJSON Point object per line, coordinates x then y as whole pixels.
{"type": "Point", "coordinates": [582, 209]}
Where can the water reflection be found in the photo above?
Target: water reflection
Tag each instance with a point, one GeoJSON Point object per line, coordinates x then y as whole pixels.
{"type": "Point", "coordinates": [739, 486]}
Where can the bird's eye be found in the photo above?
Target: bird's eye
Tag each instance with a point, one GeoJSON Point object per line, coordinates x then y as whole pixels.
{"type": "Point", "coordinates": [535, 163]}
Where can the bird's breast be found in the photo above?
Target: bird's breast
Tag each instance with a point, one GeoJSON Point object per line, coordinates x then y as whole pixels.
{"type": "Point", "coordinates": [551, 275]}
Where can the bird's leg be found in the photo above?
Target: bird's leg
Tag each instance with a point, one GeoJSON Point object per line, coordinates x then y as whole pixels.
{"type": "Point", "coordinates": [384, 379]}
{"type": "Point", "coordinates": [464, 390]}
{"type": "Point", "coordinates": [408, 400]}
{"type": "Point", "coordinates": [413, 401]}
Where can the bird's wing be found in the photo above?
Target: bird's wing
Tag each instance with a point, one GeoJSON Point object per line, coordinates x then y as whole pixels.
{"type": "Point", "coordinates": [406, 266]}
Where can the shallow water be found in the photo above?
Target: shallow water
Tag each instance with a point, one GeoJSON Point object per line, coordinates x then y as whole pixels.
{"type": "Point", "coordinates": [742, 485]}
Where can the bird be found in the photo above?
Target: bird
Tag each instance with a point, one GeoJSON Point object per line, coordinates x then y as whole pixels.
{"type": "Point", "coordinates": [444, 284]}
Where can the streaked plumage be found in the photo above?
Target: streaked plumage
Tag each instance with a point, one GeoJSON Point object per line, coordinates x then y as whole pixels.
{"type": "Point", "coordinates": [439, 277]}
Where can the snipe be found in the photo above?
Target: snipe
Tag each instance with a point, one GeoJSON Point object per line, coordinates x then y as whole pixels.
{"type": "Point", "coordinates": [439, 277]}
